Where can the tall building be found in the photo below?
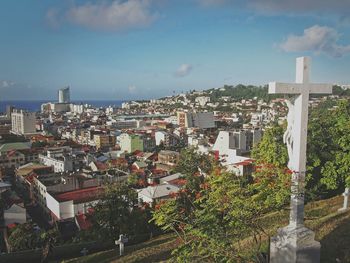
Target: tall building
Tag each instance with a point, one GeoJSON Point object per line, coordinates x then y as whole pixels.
{"type": "Point", "coordinates": [23, 122]}
{"type": "Point", "coordinates": [202, 120]}
{"type": "Point", "coordinates": [131, 142]}
{"type": "Point", "coordinates": [64, 95]}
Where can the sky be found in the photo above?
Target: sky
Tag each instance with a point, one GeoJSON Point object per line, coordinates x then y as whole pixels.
{"type": "Point", "coordinates": [141, 49]}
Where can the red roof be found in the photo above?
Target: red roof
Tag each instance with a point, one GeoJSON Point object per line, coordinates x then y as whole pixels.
{"type": "Point", "coordinates": [81, 195]}
{"type": "Point", "coordinates": [245, 162]}
{"type": "Point", "coordinates": [138, 153]}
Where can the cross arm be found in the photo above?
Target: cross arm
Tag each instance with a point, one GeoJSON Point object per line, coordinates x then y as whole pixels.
{"type": "Point", "coordinates": [298, 88]}
{"type": "Point", "coordinates": [285, 88]}
{"type": "Point", "coordinates": [315, 88]}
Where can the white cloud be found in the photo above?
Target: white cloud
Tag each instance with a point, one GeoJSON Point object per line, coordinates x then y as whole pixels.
{"type": "Point", "coordinates": [52, 17]}
{"type": "Point", "coordinates": [132, 89]}
{"type": "Point", "coordinates": [318, 39]}
{"type": "Point", "coordinates": [6, 83]}
{"type": "Point", "coordinates": [300, 6]}
{"type": "Point", "coordinates": [183, 70]}
{"type": "Point", "coordinates": [116, 15]}
{"type": "Point", "coordinates": [208, 3]}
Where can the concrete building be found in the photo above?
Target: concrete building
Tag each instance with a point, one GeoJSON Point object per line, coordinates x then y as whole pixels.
{"type": "Point", "coordinates": [69, 204]}
{"type": "Point", "coordinates": [201, 120]}
{"type": "Point", "coordinates": [55, 107]}
{"type": "Point", "coordinates": [154, 194]}
{"type": "Point", "coordinates": [5, 129]}
{"type": "Point", "coordinates": [23, 122]}
{"type": "Point", "coordinates": [131, 142]}
{"type": "Point", "coordinates": [104, 141]}
{"type": "Point", "coordinates": [59, 158]}
{"type": "Point", "coordinates": [166, 138]}
{"type": "Point", "coordinates": [202, 100]}
{"type": "Point", "coordinates": [64, 95]}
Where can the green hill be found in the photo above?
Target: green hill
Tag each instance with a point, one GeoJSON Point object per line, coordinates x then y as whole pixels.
{"type": "Point", "coordinates": [332, 230]}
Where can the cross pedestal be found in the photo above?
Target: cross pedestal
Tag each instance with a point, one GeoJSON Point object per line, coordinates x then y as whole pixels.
{"type": "Point", "coordinates": [346, 201]}
{"type": "Point", "coordinates": [295, 243]}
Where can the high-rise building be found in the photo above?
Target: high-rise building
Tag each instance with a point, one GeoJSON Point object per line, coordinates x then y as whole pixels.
{"type": "Point", "coordinates": [202, 120]}
{"type": "Point", "coordinates": [23, 122]}
{"type": "Point", "coordinates": [64, 95]}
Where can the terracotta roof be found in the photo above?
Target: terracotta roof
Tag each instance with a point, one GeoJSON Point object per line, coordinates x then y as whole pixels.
{"type": "Point", "coordinates": [81, 195]}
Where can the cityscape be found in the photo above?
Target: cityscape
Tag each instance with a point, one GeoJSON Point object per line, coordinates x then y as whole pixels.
{"type": "Point", "coordinates": [135, 161]}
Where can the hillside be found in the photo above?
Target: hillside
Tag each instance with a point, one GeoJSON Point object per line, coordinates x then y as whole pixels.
{"type": "Point", "coordinates": [332, 230]}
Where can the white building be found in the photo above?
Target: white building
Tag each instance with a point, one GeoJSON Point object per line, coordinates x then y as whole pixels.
{"type": "Point", "coordinates": [59, 158]}
{"type": "Point", "coordinates": [16, 214]}
{"type": "Point", "coordinates": [201, 120]}
{"type": "Point", "coordinates": [69, 204]}
{"type": "Point", "coordinates": [64, 95]}
{"type": "Point", "coordinates": [153, 194]}
{"type": "Point", "coordinates": [23, 122]}
{"type": "Point", "coordinates": [202, 100]}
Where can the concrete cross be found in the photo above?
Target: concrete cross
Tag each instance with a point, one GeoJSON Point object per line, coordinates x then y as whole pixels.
{"type": "Point", "coordinates": [346, 200]}
{"type": "Point", "coordinates": [296, 134]}
{"type": "Point", "coordinates": [121, 241]}
{"type": "Point", "coordinates": [295, 243]}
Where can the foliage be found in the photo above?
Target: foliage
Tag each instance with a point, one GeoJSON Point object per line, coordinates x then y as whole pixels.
{"type": "Point", "coordinates": [271, 149]}
{"type": "Point", "coordinates": [337, 168]}
{"type": "Point", "coordinates": [117, 213]}
{"type": "Point", "coordinates": [224, 215]}
{"type": "Point", "coordinates": [192, 162]}
{"type": "Point", "coordinates": [25, 236]}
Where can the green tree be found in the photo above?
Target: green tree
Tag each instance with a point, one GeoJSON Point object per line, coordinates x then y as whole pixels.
{"type": "Point", "coordinates": [271, 149]}
{"type": "Point", "coordinates": [118, 213]}
{"type": "Point", "coordinates": [226, 212]}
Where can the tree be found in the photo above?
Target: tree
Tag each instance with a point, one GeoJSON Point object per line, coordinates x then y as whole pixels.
{"type": "Point", "coordinates": [191, 162]}
{"type": "Point", "coordinates": [25, 236]}
{"type": "Point", "coordinates": [271, 149]}
{"type": "Point", "coordinates": [117, 213]}
{"type": "Point", "coordinates": [337, 168]}
{"type": "Point", "coordinates": [226, 212]}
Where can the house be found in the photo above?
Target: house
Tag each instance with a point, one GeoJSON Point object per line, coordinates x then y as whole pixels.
{"type": "Point", "coordinates": [167, 160]}
{"type": "Point", "coordinates": [69, 204]}
{"type": "Point", "coordinates": [139, 165]}
{"type": "Point", "coordinates": [154, 194]}
{"type": "Point", "coordinates": [14, 210]}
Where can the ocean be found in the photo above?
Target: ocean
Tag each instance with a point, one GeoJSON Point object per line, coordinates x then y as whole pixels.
{"type": "Point", "coordinates": [35, 105]}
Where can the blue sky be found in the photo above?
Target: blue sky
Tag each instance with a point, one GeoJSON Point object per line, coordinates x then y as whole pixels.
{"type": "Point", "coordinates": [132, 49]}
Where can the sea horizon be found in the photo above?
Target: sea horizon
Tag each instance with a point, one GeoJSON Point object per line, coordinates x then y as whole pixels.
{"type": "Point", "coordinates": [35, 105]}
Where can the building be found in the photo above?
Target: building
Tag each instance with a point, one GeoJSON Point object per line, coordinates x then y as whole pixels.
{"type": "Point", "coordinates": [64, 95]}
{"type": "Point", "coordinates": [23, 122]}
{"type": "Point", "coordinates": [5, 129]}
{"type": "Point", "coordinates": [154, 194]}
{"type": "Point", "coordinates": [59, 158]}
{"type": "Point", "coordinates": [202, 100]}
{"type": "Point", "coordinates": [131, 142]}
{"type": "Point", "coordinates": [56, 184]}
{"type": "Point", "coordinates": [166, 138]}
{"type": "Point", "coordinates": [69, 204]}
{"type": "Point", "coordinates": [104, 141]}
{"type": "Point", "coordinates": [201, 120]}
{"type": "Point", "coordinates": [55, 107]}
{"type": "Point", "coordinates": [167, 160]}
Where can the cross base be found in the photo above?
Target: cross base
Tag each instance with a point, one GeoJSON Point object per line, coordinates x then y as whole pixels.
{"type": "Point", "coordinates": [294, 245]}
{"type": "Point", "coordinates": [343, 209]}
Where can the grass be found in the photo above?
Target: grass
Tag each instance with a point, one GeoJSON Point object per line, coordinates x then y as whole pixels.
{"type": "Point", "coordinates": [331, 227]}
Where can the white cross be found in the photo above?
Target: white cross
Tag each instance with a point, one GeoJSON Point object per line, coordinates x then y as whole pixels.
{"type": "Point", "coordinates": [297, 134]}
{"type": "Point", "coordinates": [346, 200]}
{"type": "Point", "coordinates": [121, 241]}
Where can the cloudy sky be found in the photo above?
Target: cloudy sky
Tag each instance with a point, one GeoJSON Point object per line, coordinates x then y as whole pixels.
{"type": "Point", "coordinates": [129, 49]}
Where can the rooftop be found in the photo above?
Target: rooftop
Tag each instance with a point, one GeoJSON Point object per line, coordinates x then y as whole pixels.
{"type": "Point", "coordinates": [81, 195]}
